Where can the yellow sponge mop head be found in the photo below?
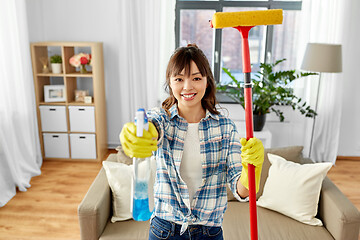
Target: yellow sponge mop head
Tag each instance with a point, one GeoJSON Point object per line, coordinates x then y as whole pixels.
{"type": "Point", "coordinates": [247, 18]}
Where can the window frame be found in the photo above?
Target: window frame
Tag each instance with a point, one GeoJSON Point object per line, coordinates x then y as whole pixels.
{"type": "Point", "coordinates": [218, 6]}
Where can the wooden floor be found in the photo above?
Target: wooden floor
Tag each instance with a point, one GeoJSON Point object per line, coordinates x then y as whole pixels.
{"type": "Point", "coordinates": [346, 176]}
{"type": "Point", "coordinates": [48, 210]}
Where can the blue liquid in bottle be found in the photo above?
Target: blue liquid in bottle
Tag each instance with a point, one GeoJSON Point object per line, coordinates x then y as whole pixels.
{"type": "Point", "coordinates": [141, 168]}
{"type": "Point", "coordinates": [141, 202]}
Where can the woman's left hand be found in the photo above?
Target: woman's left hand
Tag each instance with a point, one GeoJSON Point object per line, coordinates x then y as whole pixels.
{"type": "Point", "coordinates": [252, 152]}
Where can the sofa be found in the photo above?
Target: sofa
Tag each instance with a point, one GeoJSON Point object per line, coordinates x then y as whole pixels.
{"type": "Point", "coordinates": [341, 219]}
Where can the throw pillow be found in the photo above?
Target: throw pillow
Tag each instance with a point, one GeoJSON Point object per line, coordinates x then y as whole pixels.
{"type": "Point", "coordinates": [119, 176]}
{"type": "Point", "coordinates": [292, 153]}
{"type": "Point", "coordinates": [293, 189]}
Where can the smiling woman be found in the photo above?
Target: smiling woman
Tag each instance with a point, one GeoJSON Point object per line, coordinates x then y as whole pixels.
{"type": "Point", "coordinates": [198, 152]}
{"type": "Point", "coordinates": [188, 89]}
{"type": "Point", "coordinates": [190, 82]}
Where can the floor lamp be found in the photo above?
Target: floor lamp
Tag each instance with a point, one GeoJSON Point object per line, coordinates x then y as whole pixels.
{"type": "Point", "coordinates": [322, 58]}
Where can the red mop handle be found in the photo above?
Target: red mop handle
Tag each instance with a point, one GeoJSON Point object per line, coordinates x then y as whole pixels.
{"type": "Point", "coordinates": [251, 168]}
{"type": "Point", "coordinates": [244, 31]}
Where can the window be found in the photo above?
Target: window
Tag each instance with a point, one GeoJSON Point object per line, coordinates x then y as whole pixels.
{"type": "Point", "coordinates": [223, 46]}
{"type": "Point", "coordinates": [194, 28]}
{"type": "Point", "coordinates": [231, 53]}
{"type": "Point", "coordinates": [285, 38]}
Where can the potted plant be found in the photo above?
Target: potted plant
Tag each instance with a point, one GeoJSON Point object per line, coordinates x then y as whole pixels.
{"type": "Point", "coordinates": [270, 89]}
{"type": "Point", "coordinates": [56, 62]}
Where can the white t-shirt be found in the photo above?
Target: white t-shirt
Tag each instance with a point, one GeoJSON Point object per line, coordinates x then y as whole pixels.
{"type": "Point", "coordinates": [191, 162]}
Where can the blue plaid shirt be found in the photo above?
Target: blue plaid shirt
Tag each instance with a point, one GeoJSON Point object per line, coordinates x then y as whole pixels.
{"type": "Point", "coordinates": [220, 151]}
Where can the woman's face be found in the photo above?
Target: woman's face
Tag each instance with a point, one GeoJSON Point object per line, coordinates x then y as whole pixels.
{"type": "Point", "coordinates": [189, 89]}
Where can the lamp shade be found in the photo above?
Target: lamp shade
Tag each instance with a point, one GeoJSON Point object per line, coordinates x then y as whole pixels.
{"type": "Point", "coordinates": [320, 57]}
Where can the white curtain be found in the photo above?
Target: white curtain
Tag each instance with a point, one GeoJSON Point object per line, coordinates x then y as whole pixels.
{"type": "Point", "coordinates": [20, 155]}
{"type": "Point", "coordinates": [147, 39]}
{"type": "Point", "coordinates": [323, 22]}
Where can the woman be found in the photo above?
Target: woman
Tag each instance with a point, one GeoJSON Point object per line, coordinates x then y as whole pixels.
{"type": "Point", "coordinates": [197, 154]}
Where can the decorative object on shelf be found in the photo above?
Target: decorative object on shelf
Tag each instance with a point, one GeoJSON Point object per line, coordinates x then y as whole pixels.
{"type": "Point", "coordinates": [56, 62]}
{"type": "Point", "coordinates": [44, 62]}
{"type": "Point", "coordinates": [88, 99]}
{"type": "Point", "coordinates": [54, 93]}
{"type": "Point", "coordinates": [81, 60]}
{"type": "Point", "coordinates": [80, 95]}
{"type": "Point", "coordinates": [270, 89]}
{"type": "Point", "coordinates": [322, 58]}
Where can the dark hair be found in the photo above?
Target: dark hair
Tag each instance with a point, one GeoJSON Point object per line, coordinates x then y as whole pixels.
{"type": "Point", "coordinates": [180, 60]}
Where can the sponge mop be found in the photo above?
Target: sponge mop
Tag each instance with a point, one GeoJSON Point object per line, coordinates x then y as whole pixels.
{"type": "Point", "coordinates": [247, 18]}
{"type": "Point", "coordinates": [243, 22]}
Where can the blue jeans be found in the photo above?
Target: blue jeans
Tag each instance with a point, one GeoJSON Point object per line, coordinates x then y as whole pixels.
{"type": "Point", "coordinates": [162, 229]}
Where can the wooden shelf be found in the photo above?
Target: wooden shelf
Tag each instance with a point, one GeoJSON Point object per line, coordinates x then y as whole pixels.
{"type": "Point", "coordinates": [68, 132]}
{"type": "Point", "coordinates": [73, 74]}
{"type": "Point", "coordinates": [72, 80]}
{"type": "Point", "coordinates": [78, 74]}
{"type": "Point", "coordinates": [80, 104]}
{"type": "Point", "coordinates": [69, 103]}
{"type": "Point", "coordinates": [53, 103]}
{"type": "Point", "coordinates": [50, 74]}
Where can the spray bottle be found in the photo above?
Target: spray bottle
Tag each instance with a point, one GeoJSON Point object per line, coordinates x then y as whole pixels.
{"type": "Point", "coordinates": [141, 189]}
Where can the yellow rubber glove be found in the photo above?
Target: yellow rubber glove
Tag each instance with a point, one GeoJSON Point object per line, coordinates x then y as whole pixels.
{"type": "Point", "coordinates": [252, 152]}
{"type": "Point", "coordinates": [139, 147]}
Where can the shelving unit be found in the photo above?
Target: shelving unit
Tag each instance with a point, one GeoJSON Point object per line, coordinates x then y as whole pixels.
{"type": "Point", "coordinates": [86, 144]}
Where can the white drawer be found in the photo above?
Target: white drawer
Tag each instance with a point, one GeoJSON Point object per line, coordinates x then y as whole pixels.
{"type": "Point", "coordinates": [53, 118]}
{"type": "Point", "coordinates": [56, 145]}
{"type": "Point", "coordinates": [83, 146]}
{"type": "Point", "coordinates": [82, 119]}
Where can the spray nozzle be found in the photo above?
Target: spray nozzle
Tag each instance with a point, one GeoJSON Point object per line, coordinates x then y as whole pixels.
{"type": "Point", "coordinates": [141, 122]}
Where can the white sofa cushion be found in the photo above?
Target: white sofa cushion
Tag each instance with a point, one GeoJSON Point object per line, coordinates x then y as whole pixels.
{"type": "Point", "coordinates": [119, 176]}
{"type": "Point", "coordinates": [293, 189]}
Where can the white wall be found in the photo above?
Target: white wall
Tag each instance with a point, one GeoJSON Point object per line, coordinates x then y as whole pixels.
{"type": "Point", "coordinates": [92, 20]}
{"type": "Point", "coordinates": [350, 119]}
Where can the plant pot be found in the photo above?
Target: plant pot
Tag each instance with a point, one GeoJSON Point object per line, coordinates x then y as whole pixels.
{"type": "Point", "coordinates": [56, 67]}
{"type": "Point", "coordinates": [259, 122]}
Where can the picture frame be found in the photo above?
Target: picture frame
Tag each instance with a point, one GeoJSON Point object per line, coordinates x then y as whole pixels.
{"type": "Point", "coordinates": [80, 95]}
{"type": "Point", "coordinates": [54, 93]}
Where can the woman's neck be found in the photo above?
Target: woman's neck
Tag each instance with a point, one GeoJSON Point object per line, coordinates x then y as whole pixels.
{"type": "Point", "coordinates": [192, 114]}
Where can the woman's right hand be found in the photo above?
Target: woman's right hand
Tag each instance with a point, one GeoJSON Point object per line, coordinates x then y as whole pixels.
{"type": "Point", "coordinates": [139, 147]}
